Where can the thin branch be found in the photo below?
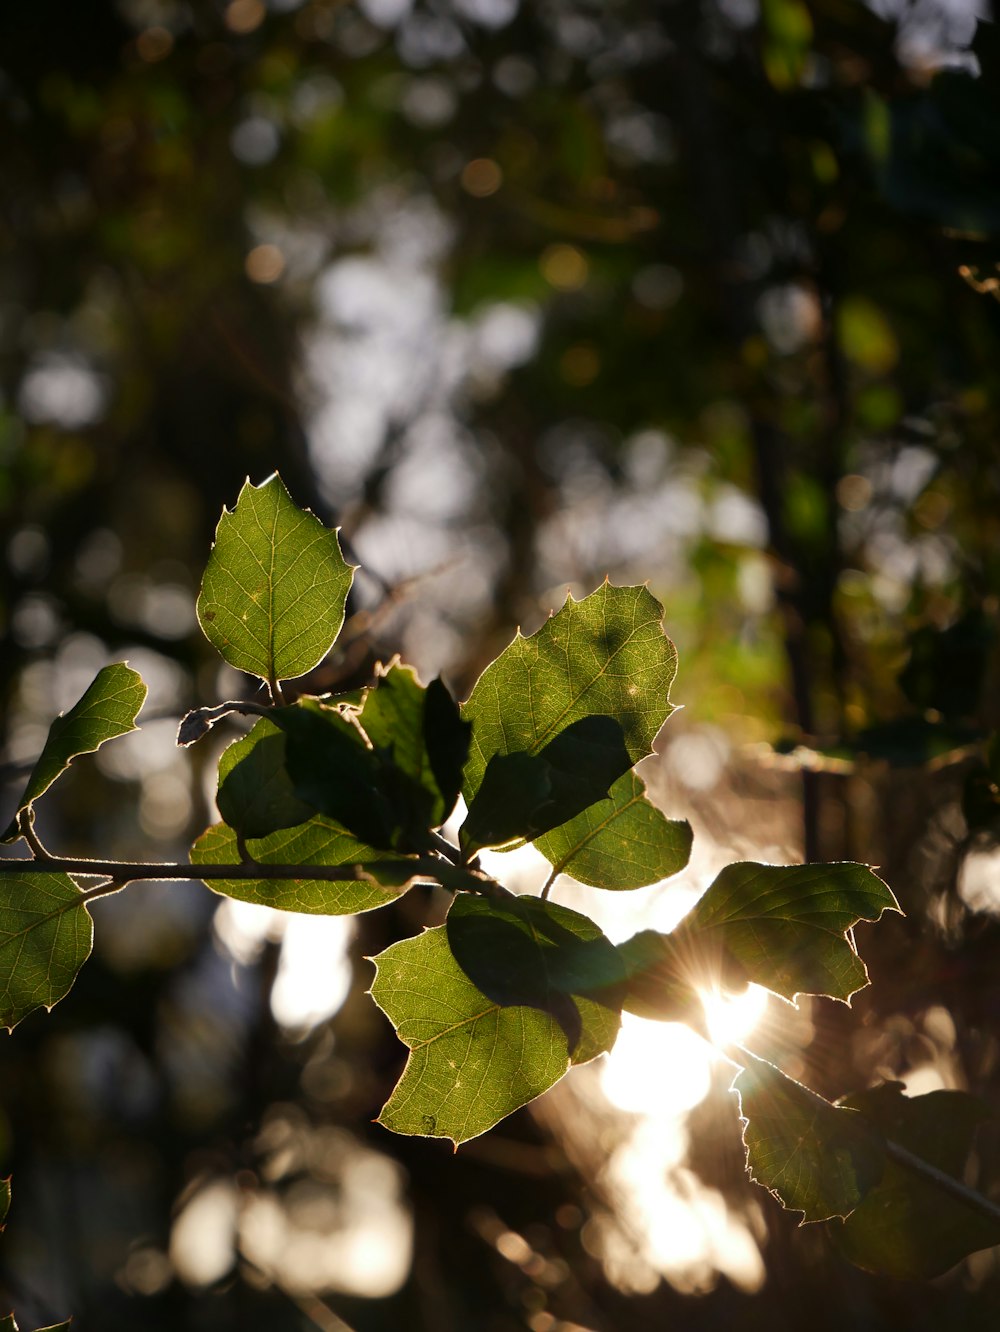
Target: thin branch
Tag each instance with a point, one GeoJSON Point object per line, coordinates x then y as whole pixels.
{"type": "Point", "coordinates": [547, 885]}
{"type": "Point", "coordinates": [123, 872]}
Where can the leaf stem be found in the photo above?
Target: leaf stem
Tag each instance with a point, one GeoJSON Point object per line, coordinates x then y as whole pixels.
{"type": "Point", "coordinates": [547, 885]}
{"type": "Point", "coordinates": [26, 827]}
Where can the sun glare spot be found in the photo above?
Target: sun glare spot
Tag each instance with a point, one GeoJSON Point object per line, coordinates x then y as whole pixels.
{"type": "Point", "coordinates": [732, 1017]}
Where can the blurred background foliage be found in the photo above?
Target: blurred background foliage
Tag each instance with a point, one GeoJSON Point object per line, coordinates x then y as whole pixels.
{"type": "Point", "coordinates": [520, 295]}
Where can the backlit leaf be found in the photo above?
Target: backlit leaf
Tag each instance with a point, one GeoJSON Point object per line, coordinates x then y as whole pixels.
{"type": "Point", "coordinates": [788, 927]}
{"type": "Point", "coordinates": [605, 655]}
{"type": "Point", "coordinates": [46, 935]}
{"type": "Point", "coordinates": [275, 587]}
{"type": "Point", "coordinates": [107, 709]}
{"type": "Point", "coordinates": [816, 1158]}
{"type": "Point", "coordinates": [623, 843]}
{"type": "Point", "coordinates": [476, 1057]}
{"type": "Point", "coordinates": [908, 1226]}
{"type": "Point", "coordinates": [318, 842]}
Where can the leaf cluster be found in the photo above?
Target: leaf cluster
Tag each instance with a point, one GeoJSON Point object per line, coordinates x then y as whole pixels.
{"type": "Point", "coordinates": [338, 804]}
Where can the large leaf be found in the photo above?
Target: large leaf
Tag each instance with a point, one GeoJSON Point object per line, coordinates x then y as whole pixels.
{"type": "Point", "coordinates": [523, 795]}
{"type": "Point", "coordinates": [624, 843]}
{"type": "Point", "coordinates": [475, 1058]}
{"type": "Point", "coordinates": [275, 587]}
{"type": "Point", "coordinates": [256, 796]}
{"type": "Point", "coordinates": [107, 709]}
{"type": "Point", "coordinates": [788, 927]}
{"type": "Point", "coordinates": [816, 1158]}
{"type": "Point", "coordinates": [605, 655]}
{"type": "Point", "coordinates": [910, 1226]}
{"type": "Point", "coordinates": [318, 842]}
{"type": "Point", "coordinates": [659, 983]}
{"type": "Point", "coordinates": [422, 739]}
{"type": "Point", "coordinates": [46, 935]}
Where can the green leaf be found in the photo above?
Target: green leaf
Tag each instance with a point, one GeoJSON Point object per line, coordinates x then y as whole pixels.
{"type": "Point", "coordinates": [318, 842]}
{"type": "Point", "coordinates": [46, 935]}
{"type": "Point", "coordinates": [908, 1226]}
{"type": "Point", "coordinates": [275, 587]}
{"type": "Point", "coordinates": [107, 709]}
{"type": "Point", "coordinates": [788, 927]}
{"type": "Point", "coordinates": [522, 951]}
{"type": "Point", "coordinates": [422, 741]}
{"type": "Point", "coordinates": [816, 1158]}
{"type": "Point", "coordinates": [523, 795]}
{"type": "Point", "coordinates": [473, 1058]}
{"type": "Point", "coordinates": [627, 843]}
{"type": "Point", "coordinates": [334, 771]}
{"type": "Point", "coordinates": [606, 655]}
{"type": "Point", "coordinates": [256, 795]}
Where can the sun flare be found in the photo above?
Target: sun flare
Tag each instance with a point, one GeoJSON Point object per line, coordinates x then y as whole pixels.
{"type": "Point", "coordinates": [732, 1017]}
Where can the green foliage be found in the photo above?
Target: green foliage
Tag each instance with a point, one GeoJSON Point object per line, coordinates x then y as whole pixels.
{"type": "Point", "coordinates": [46, 935]}
{"type": "Point", "coordinates": [606, 655]}
{"type": "Point", "coordinates": [494, 1006]}
{"type": "Point", "coordinates": [789, 927]}
{"type": "Point", "coordinates": [500, 1001]}
{"type": "Point", "coordinates": [275, 587]}
{"type": "Point", "coordinates": [107, 709]}
{"type": "Point", "coordinates": [815, 1158]}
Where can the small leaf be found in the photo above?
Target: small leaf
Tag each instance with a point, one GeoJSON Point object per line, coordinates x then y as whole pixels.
{"type": "Point", "coordinates": [908, 1226]}
{"type": "Point", "coordinates": [816, 1158]}
{"type": "Point", "coordinates": [334, 771]}
{"type": "Point", "coordinates": [624, 844]}
{"type": "Point", "coordinates": [318, 842]}
{"type": "Point", "coordinates": [422, 740]}
{"type": "Point", "coordinates": [606, 654]}
{"type": "Point", "coordinates": [46, 935]}
{"type": "Point", "coordinates": [473, 1058]}
{"type": "Point", "coordinates": [256, 796]}
{"type": "Point", "coordinates": [107, 709]}
{"type": "Point", "coordinates": [275, 587]}
{"type": "Point", "coordinates": [523, 795]}
{"type": "Point", "coordinates": [788, 927]}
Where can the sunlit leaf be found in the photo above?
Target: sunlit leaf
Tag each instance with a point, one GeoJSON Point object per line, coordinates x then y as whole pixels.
{"type": "Point", "coordinates": [605, 655]}
{"type": "Point", "coordinates": [476, 1057]}
{"type": "Point", "coordinates": [256, 795]}
{"type": "Point", "coordinates": [275, 587]}
{"type": "Point", "coordinates": [816, 1158]}
{"type": "Point", "coordinates": [46, 935]}
{"type": "Point", "coordinates": [623, 843]}
{"type": "Point", "coordinates": [909, 1226]}
{"type": "Point", "coordinates": [107, 709]}
{"type": "Point", "coordinates": [788, 927]}
{"type": "Point", "coordinates": [318, 842]}
{"type": "Point", "coordinates": [523, 795]}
